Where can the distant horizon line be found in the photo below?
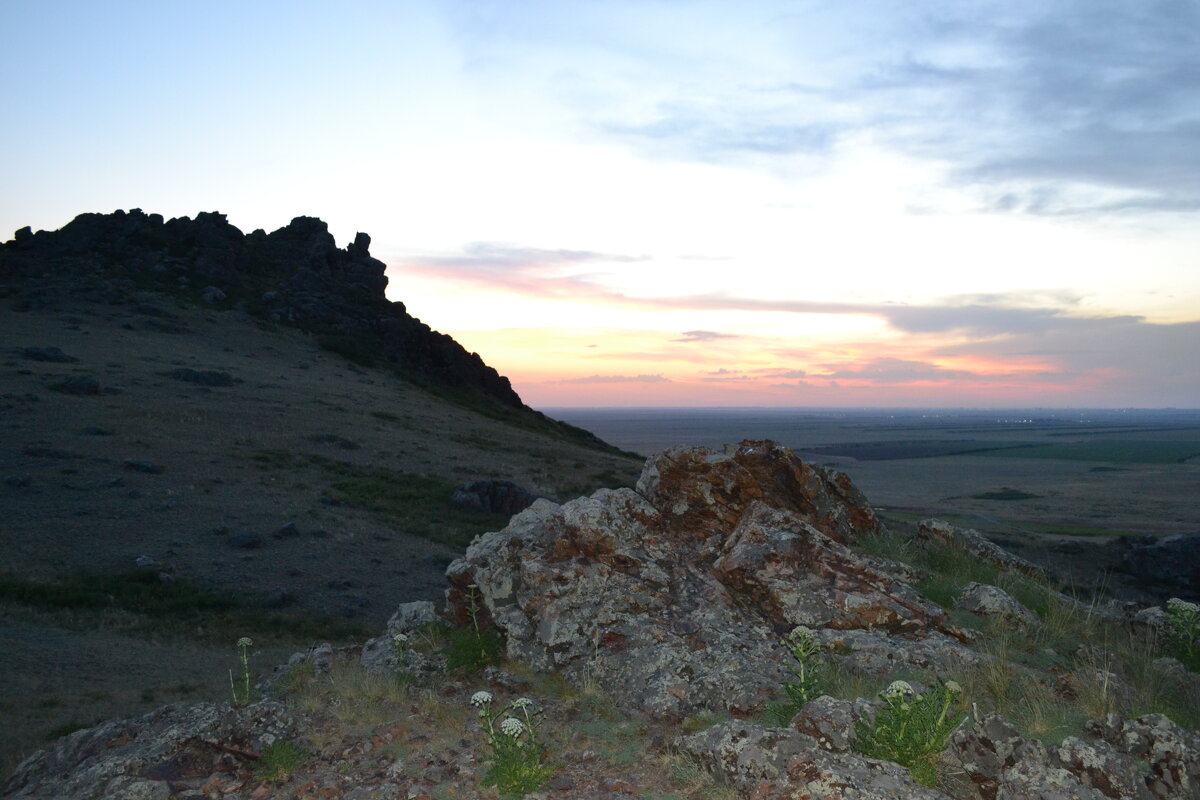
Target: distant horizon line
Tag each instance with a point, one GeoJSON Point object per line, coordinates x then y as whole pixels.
{"type": "Point", "coordinates": [987, 409]}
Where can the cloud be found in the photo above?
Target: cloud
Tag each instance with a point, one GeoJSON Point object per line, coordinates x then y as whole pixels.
{"type": "Point", "coordinates": [896, 370]}
{"type": "Point", "coordinates": [704, 336]}
{"type": "Point", "coordinates": [658, 378]}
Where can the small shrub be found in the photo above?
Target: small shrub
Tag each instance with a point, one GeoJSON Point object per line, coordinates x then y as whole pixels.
{"type": "Point", "coordinates": [278, 760]}
{"type": "Point", "coordinates": [517, 754]}
{"type": "Point", "coordinates": [1183, 632]}
{"type": "Point", "coordinates": [911, 729]}
{"type": "Point", "coordinates": [471, 649]}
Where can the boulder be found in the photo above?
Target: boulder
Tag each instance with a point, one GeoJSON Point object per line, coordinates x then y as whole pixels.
{"type": "Point", "coordinates": [676, 596]}
{"type": "Point", "coordinates": [935, 531]}
{"type": "Point", "coordinates": [995, 603]}
{"type": "Point", "coordinates": [1172, 563]}
{"type": "Point", "coordinates": [493, 496]}
{"type": "Point", "coordinates": [783, 764]}
{"type": "Point", "coordinates": [138, 757]}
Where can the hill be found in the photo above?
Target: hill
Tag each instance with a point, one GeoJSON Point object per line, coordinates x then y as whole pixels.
{"type": "Point", "coordinates": [209, 434]}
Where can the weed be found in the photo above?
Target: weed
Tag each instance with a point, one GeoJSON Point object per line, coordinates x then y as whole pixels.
{"type": "Point", "coordinates": [910, 728]}
{"type": "Point", "coordinates": [1183, 632]}
{"type": "Point", "coordinates": [471, 649]}
{"type": "Point", "coordinates": [517, 754]}
{"type": "Point", "coordinates": [241, 690]}
{"type": "Point", "coordinates": [278, 760]}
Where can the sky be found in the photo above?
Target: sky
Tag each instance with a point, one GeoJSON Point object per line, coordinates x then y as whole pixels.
{"type": "Point", "coordinates": [675, 203]}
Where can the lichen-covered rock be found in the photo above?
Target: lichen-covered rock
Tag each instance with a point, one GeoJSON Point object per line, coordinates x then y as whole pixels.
{"type": "Point", "coordinates": [782, 764]}
{"type": "Point", "coordinates": [1032, 779]}
{"type": "Point", "coordinates": [989, 746]}
{"type": "Point", "coordinates": [1101, 766]}
{"type": "Point", "coordinates": [706, 491]}
{"type": "Point", "coordinates": [136, 757]}
{"type": "Point", "coordinates": [831, 721]}
{"type": "Point", "coordinates": [1171, 754]}
{"type": "Point", "coordinates": [936, 531]}
{"type": "Point", "coordinates": [799, 576]}
{"type": "Point", "coordinates": [676, 596]}
{"type": "Point", "coordinates": [995, 603]}
{"type": "Point", "coordinates": [871, 652]}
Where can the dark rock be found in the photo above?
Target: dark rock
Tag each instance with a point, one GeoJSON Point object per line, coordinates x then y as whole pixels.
{"type": "Point", "coordinates": [18, 479]}
{"type": "Point", "coordinates": [93, 430]}
{"type": "Point", "coordinates": [40, 451]}
{"type": "Point", "coordinates": [51, 354]}
{"type": "Point", "coordinates": [202, 377]}
{"type": "Point", "coordinates": [337, 294]}
{"type": "Point", "coordinates": [1174, 561]}
{"type": "Point", "coordinates": [288, 531]}
{"type": "Point", "coordinates": [246, 540]}
{"type": "Point", "coordinates": [493, 496]}
{"type": "Point", "coordinates": [148, 467]}
{"type": "Point", "coordinates": [77, 385]}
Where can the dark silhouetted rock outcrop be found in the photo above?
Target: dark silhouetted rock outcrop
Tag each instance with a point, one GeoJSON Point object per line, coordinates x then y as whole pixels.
{"type": "Point", "coordinates": [296, 275]}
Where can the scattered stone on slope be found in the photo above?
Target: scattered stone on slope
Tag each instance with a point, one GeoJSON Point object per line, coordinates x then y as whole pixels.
{"type": "Point", "coordinates": [995, 603]}
{"type": "Point", "coordinates": [202, 377]}
{"type": "Point", "coordinates": [935, 531]}
{"type": "Point", "coordinates": [677, 595]}
{"type": "Point", "coordinates": [122, 759]}
{"type": "Point", "coordinates": [1171, 753]}
{"type": "Point", "coordinates": [50, 354]}
{"type": "Point", "coordinates": [493, 496]}
{"type": "Point", "coordinates": [832, 722]}
{"type": "Point", "coordinates": [1173, 560]}
{"type": "Point", "coordinates": [783, 764]}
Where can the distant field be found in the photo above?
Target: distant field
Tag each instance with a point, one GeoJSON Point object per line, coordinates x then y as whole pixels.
{"type": "Point", "coordinates": [885, 451]}
{"type": "Point", "coordinates": [1107, 450]}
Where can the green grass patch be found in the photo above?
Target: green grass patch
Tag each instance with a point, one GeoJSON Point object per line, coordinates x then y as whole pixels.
{"type": "Point", "coordinates": [1119, 451]}
{"type": "Point", "coordinates": [1006, 493]}
{"type": "Point", "coordinates": [178, 608]}
{"type": "Point", "coordinates": [416, 504]}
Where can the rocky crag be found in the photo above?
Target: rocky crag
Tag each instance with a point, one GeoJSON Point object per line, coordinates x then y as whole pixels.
{"type": "Point", "coordinates": [294, 276]}
{"type": "Point", "coordinates": [674, 598]}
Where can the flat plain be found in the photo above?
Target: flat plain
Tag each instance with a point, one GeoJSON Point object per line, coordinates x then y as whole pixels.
{"type": "Point", "coordinates": [1047, 473]}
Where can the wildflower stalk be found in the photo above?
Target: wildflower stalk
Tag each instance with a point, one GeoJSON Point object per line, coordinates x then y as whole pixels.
{"type": "Point", "coordinates": [241, 696]}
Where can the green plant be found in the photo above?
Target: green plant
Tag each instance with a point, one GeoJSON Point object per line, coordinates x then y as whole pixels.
{"type": "Point", "coordinates": [910, 728]}
{"type": "Point", "coordinates": [471, 649]}
{"type": "Point", "coordinates": [278, 760]}
{"type": "Point", "coordinates": [1183, 632]}
{"type": "Point", "coordinates": [241, 688]}
{"type": "Point", "coordinates": [517, 754]}
{"type": "Point", "coordinates": [805, 651]}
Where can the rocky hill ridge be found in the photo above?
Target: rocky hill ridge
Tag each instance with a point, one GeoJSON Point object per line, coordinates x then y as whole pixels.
{"type": "Point", "coordinates": [295, 276]}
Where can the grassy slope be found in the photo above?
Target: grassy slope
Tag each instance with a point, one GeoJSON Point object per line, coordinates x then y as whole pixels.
{"type": "Point", "coordinates": [359, 460]}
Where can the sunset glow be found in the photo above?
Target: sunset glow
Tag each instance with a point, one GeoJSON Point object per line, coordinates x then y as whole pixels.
{"type": "Point", "coordinates": [630, 203]}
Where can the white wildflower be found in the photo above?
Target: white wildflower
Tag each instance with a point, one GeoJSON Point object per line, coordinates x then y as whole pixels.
{"type": "Point", "coordinates": [511, 726]}
{"type": "Point", "coordinates": [400, 638]}
{"type": "Point", "coordinates": [524, 702]}
{"type": "Point", "coordinates": [244, 642]}
{"type": "Point", "coordinates": [897, 690]}
{"type": "Point", "coordinates": [953, 687]}
{"type": "Point", "coordinates": [1177, 606]}
{"type": "Point", "coordinates": [481, 699]}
